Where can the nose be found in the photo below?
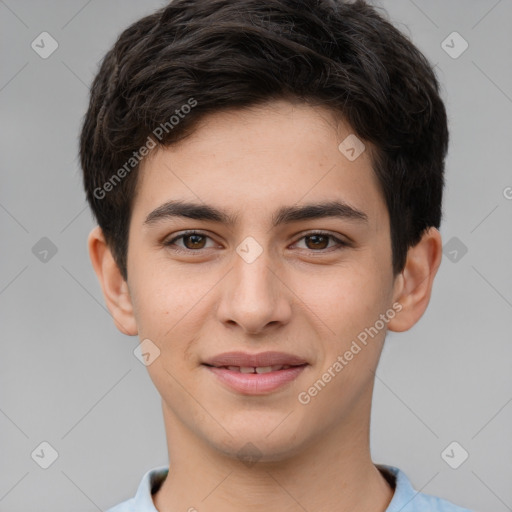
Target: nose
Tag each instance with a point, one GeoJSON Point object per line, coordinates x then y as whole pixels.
{"type": "Point", "coordinates": [254, 296]}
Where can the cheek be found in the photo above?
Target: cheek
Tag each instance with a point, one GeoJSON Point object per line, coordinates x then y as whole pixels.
{"type": "Point", "coordinates": [346, 298]}
{"type": "Point", "coordinates": [158, 301]}
{"type": "Point", "coordinates": [170, 306]}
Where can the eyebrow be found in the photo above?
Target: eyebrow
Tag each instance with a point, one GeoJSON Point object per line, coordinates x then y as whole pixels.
{"type": "Point", "coordinates": [284, 215]}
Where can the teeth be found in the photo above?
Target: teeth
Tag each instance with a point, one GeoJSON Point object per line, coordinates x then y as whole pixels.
{"type": "Point", "coordinates": [258, 369]}
{"type": "Point", "coordinates": [265, 369]}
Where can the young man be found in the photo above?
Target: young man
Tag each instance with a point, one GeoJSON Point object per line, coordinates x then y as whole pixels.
{"type": "Point", "coordinates": [267, 179]}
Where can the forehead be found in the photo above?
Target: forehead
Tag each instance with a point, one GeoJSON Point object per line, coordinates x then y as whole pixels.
{"type": "Point", "coordinates": [262, 157]}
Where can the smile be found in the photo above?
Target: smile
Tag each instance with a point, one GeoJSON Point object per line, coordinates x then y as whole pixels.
{"type": "Point", "coordinates": [257, 369]}
{"type": "Point", "coordinates": [255, 374]}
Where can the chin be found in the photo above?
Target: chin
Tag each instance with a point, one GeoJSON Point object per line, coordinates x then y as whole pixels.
{"type": "Point", "coordinates": [260, 443]}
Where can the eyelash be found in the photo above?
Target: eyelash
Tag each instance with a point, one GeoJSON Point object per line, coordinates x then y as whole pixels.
{"type": "Point", "coordinates": [340, 243]}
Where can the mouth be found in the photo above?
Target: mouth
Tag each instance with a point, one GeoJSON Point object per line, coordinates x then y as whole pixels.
{"type": "Point", "coordinates": [260, 360]}
{"type": "Point", "coordinates": [256, 374]}
{"type": "Point", "coordinates": [256, 369]}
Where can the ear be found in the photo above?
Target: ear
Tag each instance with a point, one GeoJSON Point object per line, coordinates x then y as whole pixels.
{"type": "Point", "coordinates": [413, 286]}
{"type": "Point", "coordinates": [115, 288]}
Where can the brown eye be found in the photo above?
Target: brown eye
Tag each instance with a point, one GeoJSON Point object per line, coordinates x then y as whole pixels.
{"type": "Point", "coordinates": [191, 241]}
{"type": "Point", "coordinates": [194, 241]}
{"type": "Point", "coordinates": [317, 241]}
{"type": "Point", "coordinates": [321, 242]}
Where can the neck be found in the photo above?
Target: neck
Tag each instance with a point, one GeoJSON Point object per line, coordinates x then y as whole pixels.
{"type": "Point", "coordinates": [332, 473]}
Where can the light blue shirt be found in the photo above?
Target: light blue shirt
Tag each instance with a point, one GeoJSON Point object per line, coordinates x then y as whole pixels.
{"type": "Point", "coordinates": [405, 498]}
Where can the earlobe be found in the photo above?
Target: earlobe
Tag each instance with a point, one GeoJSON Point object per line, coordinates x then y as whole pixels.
{"type": "Point", "coordinates": [413, 287]}
{"type": "Point", "coordinates": [115, 289]}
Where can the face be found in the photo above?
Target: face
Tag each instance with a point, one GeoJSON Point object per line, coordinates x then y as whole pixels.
{"type": "Point", "coordinates": [288, 265]}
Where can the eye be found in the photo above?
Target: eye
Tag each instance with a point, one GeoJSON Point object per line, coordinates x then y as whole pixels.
{"type": "Point", "coordinates": [319, 241]}
{"type": "Point", "coordinates": [191, 241]}
{"type": "Point", "coordinates": [194, 241]}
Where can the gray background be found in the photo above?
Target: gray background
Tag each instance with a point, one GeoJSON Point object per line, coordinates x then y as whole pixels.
{"type": "Point", "coordinates": [69, 378]}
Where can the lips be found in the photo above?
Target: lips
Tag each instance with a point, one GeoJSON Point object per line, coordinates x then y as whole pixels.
{"type": "Point", "coordinates": [261, 360]}
{"type": "Point", "coordinates": [255, 374]}
{"type": "Point", "coordinates": [257, 369]}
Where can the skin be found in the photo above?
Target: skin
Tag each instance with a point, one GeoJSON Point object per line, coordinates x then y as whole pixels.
{"type": "Point", "coordinates": [303, 295]}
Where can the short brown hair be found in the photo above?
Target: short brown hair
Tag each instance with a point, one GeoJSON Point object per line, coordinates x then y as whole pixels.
{"type": "Point", "coordinates": [218, 54]}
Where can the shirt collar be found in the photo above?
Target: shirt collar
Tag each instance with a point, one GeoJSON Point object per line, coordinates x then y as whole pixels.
{"type": "Point", "coordinates": [404, 491]}
{"type": "Point", "coordinates": [150, 483]}
{"type": "Point", "coordinates": [153, 479]}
